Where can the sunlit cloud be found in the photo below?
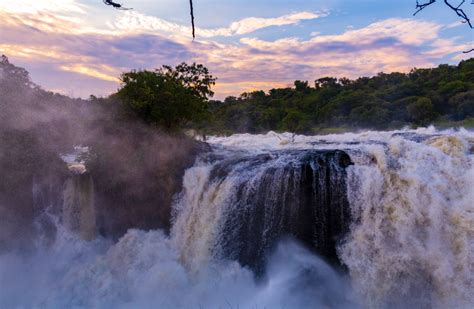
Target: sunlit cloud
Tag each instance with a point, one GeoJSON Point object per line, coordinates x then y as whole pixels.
{"type": "Point", "coordinates": [41, 6]}
{"type": "Point", "coordinates": [57, 34]}
{"type": "Point", "coordinates": [92, 72]}
{"type": "Point", "coordinates": [251, 24]}
{"type": "Point", "coordinates": [137, 22]}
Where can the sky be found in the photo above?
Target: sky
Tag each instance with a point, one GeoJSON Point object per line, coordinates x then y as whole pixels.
{"type": "Point", "coordinates": [80, 47]}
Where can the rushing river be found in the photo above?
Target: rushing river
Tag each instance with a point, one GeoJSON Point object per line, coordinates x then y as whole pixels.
{"type": "Point", "coordinates": [355, 220]}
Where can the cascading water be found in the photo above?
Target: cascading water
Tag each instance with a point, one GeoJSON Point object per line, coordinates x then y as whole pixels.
{"type": "Point", "coordinates": [78, 210]}
{"type": "Point", "coordinates": [394, 208]}
{"type": "Point", "coordinates": [238, 204]}
{"type": "Point", "coordinates": [413, 235]}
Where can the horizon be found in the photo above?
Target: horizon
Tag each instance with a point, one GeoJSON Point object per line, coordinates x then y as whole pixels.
{"type": "Point", "coordinates": [79, 48]}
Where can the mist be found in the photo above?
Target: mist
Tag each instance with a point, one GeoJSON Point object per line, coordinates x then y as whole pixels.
{"type": "Point", "coordinates": [99, 209]}
{"type": "Point", "coordinates": [143, 270]}
{"type": "Point", "coordinates": [136, 168]}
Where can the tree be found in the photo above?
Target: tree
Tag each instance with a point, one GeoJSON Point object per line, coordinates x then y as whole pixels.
{"type": "Point", "coordinates": [421, 111]}
{"type": "Point", "coordinates": [295, 121]}
{"type": "Point", "coordinates": [168, 97]}
{"type": "Point", "coordinates": [325, 82]}
{"type": "Point", "coordinates": [194, 77]}
{"type": "Point", "coordinates": [463, 105]}
{"type": "Point", "coordinates": [301, 86]}
{"type": "Point", "coordinates": [14, 76]}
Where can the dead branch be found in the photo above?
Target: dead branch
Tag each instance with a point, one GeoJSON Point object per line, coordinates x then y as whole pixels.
{"type": "Point", "coordinates": [119, 6]}
{"type": "Point", "coordinates": [420, 7]}
{"type": "Point", "coordinates": [116, 5]}
{"type": "Point", "coordinates": [460, 12]}
{"type": "Point", "coordinates": [192, 17]}
{"type": "Point", "coordinates": [457, 9]}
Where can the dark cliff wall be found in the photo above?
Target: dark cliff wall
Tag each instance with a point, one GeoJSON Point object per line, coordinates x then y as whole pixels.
{"type": "Point", "coordinates": [136, 175]}
{"type": "Point", "coordinates": [31, 180]}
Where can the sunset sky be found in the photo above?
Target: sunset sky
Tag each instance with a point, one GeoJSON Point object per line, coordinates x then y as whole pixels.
{"type": "Point", "coordinates": [80, 47]}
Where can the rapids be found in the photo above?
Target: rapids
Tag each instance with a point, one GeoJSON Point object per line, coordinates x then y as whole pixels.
{"type": "Point", "coordinates": [369, 219]}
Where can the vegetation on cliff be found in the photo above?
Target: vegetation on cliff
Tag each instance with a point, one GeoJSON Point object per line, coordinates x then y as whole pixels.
{"type": "Point", "coordinates": [423, 96]}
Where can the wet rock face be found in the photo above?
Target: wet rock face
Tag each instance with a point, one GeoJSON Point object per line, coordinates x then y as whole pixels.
{"type": "Point", "coordinates": [79, 209]}
{"type": "Point", "coordinates": [32, 176]}
{"type": "Point", "coordinates": [129, 183]}
{"type": "Point", "coordinates": [304, 197]}
{"type": "Point", "coordinates": [135, 178]}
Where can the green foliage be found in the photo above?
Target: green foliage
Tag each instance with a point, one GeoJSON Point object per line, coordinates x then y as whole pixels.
{"type": "Point", "coordinates": [168, 97]}
{"type": "Point", "coordinates": [421, 111]}
{"type": "Point", "coordinates": [295, 121]}
{"type": "Point", "coordinates": [384, 101]}
{"type": "Point", "coordinates": [463, 105]}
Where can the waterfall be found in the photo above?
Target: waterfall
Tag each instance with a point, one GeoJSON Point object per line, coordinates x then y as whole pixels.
{"type": "Point", "coordinates": [78, 209]}
{"type": "Point", "coordinates": [238, 206]}
{"type": "Point", "coordinates": [412, 238]}
{"type": "Point", "coordinates": [395, 208]}
{"type": "Point", "coordinates": [370, 219]}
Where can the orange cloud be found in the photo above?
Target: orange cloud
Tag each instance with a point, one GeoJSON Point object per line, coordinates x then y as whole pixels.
{"type": "Point", "coordinates": [92, 72]}
{"type": "Point", "coordinates": [61, 39]}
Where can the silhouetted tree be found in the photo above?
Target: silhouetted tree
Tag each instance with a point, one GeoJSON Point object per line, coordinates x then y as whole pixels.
{"type": "Point", "coordinates": [168, 97]}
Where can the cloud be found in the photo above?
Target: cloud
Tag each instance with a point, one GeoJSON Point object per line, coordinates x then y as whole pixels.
{"type": "Point", "coordinates": [388, 45]}
{"type": "Point", "coordinates": [93, 72]}
{"type": "Point", "coordinates": [38, 6]}
{"type": "Point", "coordinates": [64, 51]}
{"type": "Point", "coordinates": [133, 21]}
{"type": "Point", "coordinates": [251, 24]}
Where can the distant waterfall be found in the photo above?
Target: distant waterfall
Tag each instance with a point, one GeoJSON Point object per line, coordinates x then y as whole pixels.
{"type": "Point", "coordinates": [78, 211]}
{"type": "Point", "coordinates": [78, 208]}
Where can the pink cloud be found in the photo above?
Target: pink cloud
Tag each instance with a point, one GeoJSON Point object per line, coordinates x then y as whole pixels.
{"type": "Point", "coordinates": [89, 56]}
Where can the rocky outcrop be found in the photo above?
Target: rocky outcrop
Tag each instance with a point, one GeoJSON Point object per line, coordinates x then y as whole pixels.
{"type": "Point", "coordinates": [32, 177]}
{"type": "Point", "coordinates": [135, 179]}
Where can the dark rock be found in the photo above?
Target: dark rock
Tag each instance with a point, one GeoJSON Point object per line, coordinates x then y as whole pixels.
{"type": "Point", "coordinates": [136, 175]}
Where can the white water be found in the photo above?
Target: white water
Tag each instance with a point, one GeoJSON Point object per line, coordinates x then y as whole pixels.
{"type": "Point", "coordinates": [411, 244]}
{"type": "Point", "coordinates": [143, 270]}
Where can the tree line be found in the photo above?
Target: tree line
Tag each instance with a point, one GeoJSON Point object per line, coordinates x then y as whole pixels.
{"type": "Point", "coordinates": [177, 98]}
{"type": "Point", "coordinates": [384, 101]}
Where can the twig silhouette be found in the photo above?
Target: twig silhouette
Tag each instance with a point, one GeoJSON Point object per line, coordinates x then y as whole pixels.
{"type": "Point", "coordinates": [116, 5]}
{"type": "Point", "coordinates": [457, 9]}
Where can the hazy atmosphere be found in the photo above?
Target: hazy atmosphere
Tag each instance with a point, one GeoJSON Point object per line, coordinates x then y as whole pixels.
{"type": "Point", "coordinates": [236, 154]}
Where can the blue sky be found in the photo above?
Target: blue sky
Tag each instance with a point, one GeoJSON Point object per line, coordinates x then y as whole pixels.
{"type": "Point", "coordinates": [80, 47]}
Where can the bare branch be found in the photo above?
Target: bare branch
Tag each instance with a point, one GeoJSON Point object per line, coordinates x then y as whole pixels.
{"type": "Point", "coordinates": [116, 5]}
{"type": "Point", "coordinates": [461, 4]}
{"type": "Point", "coordinates": [420, 7]}
{"type": "Point", "coordinates": [459, 12]}
{"type": "Point", "coordinates": [457, 9]}
{"type": "Point", "coordinates": [192, 17]}
{"type": "Point", "coordinates": [121, 7]}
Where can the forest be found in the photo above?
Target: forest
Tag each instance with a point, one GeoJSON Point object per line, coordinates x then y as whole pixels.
{"type": "Point", "coordinates": [178, 98]}
{"type": "Point", "coordinates": [443, 95]}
